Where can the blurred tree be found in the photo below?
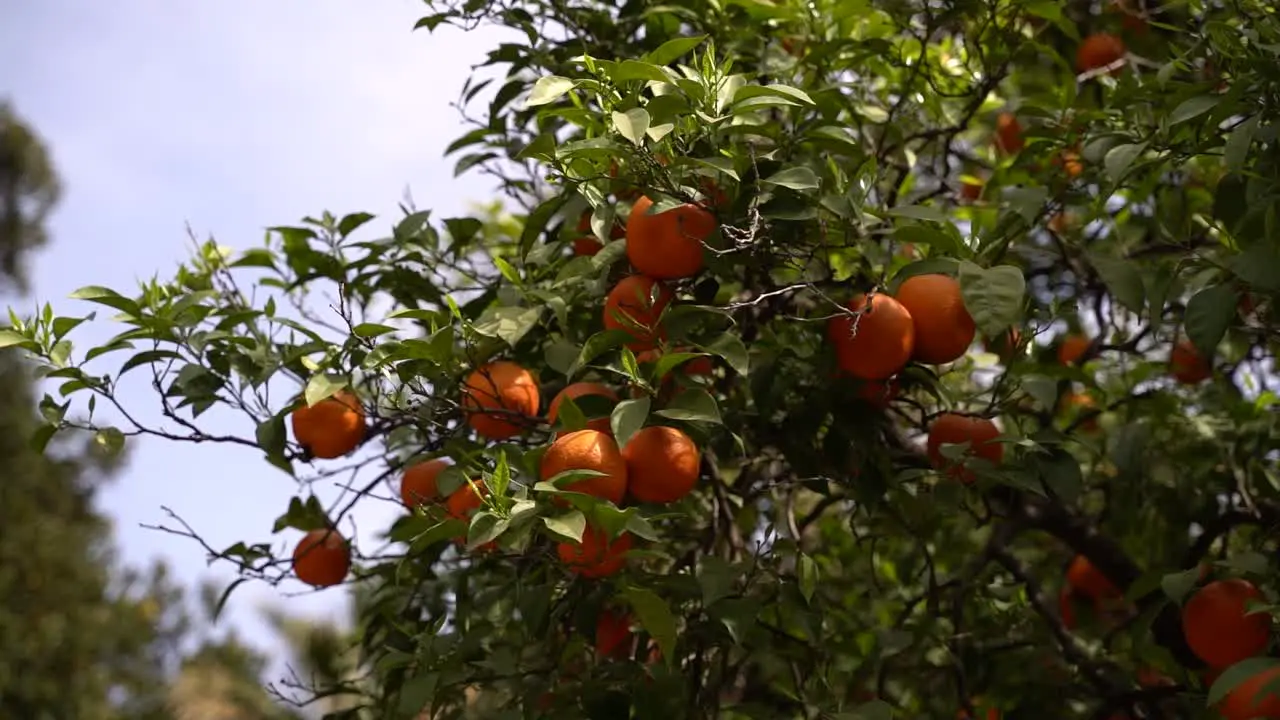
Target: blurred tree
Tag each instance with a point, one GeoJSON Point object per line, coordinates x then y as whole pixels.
{"type": "Point", "coordinates": [81, 637]}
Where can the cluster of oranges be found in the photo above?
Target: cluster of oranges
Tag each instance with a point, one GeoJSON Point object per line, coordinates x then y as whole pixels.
{"type": "Point", "coordinates": [926, 321]}
{"type": "Point", "coordinates": [1218, 624]}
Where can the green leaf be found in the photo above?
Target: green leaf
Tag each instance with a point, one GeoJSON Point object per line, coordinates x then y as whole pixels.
{"type": "Point", "coordinates": [597, 345]}
{"type": "Point", "coordinates": [1123, 280]}
{"type": "Point", "coordinates": [993, 296]}
{"type": "Point", "coordinates": [1248, 562]}
{"type": "Point", "coordinates": [1259, 266]}
{"type": "Point", "coordinates": [730, 348]}
{"type": "Point", "coordinates": [1192, 108]}
{"type": "Point", "coordinates": [928, 234]}
{"type": "Point", "coordinates": [350, 223]}
{"type": "Point", "coordinates": [1119, 159]}
{"type": "Point", "coordinates": [1234, 676]}
{"type": "Point", "coordinates": [632, 124]}
{"type": "Point", "coordinates": [1236, 149]}
{"type": "Point", "coordinates": [717, 578]}
{"type": "Point", "coordinates": [672, 50]}
{"type": "Point", "coordinates": [321, 386]}
{"type": "Point", "coordinates": [41, 437]}
{"type": "Point", "coordinates": [548, 89]}
{"type": "Point", "coordinates": [569, 526]}
{"type": "Point", "coordinates": [918, 212]}
{"type": "Point", "coordinates": [1178, 585]}
{"type": "Point", "coordinates": [371, 329]}
{"type": "Point", "coordinates": [873, 710]}
{"type": "Point", "coordinates": [1209, 313]}
{"type": "Point", "coordinates": [226, 595]}
{"type": "Point", "coordinates": [797, 178]}
{"type": "Point", "coordinates": [655, 617]}
{"type": "Point", "coordinates": [510, 324]}
{"type": "Point", "coordinates": [627, 419]}
{"type": "Point", "coordinates": [9, 338]}
{"type": "Point", "coordinates": [750, 91]}
{"type": "Point", "coordinates": [108, 297]}
{"type": "Point", "coordinates": [692, 405]}
{"type": "Point", "coordinates": [807, 575]}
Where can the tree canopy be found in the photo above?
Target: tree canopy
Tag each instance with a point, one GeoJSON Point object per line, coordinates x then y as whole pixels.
{"type": "Point", "coordinates": [826, 359]}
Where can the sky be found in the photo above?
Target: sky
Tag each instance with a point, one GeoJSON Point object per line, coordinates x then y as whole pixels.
{"type": "Point", "coordinates": [230, 117]}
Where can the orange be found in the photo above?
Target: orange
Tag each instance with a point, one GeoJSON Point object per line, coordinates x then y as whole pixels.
{"type": "Point", "coordinates": [1187, 365]}
{"type": "Point", "coordinates": [1248, 699]}
{"type": "Point", "coordinates": [662, 464]}
{"type": "Point", "coordinates": [1149, 677]}
{"type": "Point", "coordinates": [1075, 403]}
{"type": "Point", "coordinates": [595, 556]}
{"type": "Point", "coordinates": [1246, 304]}
{"type": "Point", "coordinates": [1089, 580]}
{"type": "Point", "coordinates": [1009, 133]}
{"type": "Point", "coordinates": [588, 450]}
{"type": "Point", "coordinates": [586, 246]}
{"type": "Point", "coordinates": [506, 396]}
{"type": "Point", "coordinates": [970, 191]}
{"type": "Point", "coordinates": [1069, 161]}
{"type": "Point", "coordinates": [1067, 608]}
{"type": "Point", "coordinates": [332, 427]}
{"type": "Point", "coordinates": [613, 633]}
{"type": "Point", "coordinates": [1072, 349]}
{"type": "Point", "coordinates": [1131, 18]}
{"type": "Point", "coordinates": [876, 343]}
{"type": "Point", "coordinates": [575, 391]}
{"type": "Point", "coordinates": [943, 327]}
{"type": "Point", "coordinates": [418, 487]}
{"type": "Point", "coordinates": [1060, 222]}
{"type": "Point", "coordinates": [1005, 346]}
{"type": "Point", "coordinates": [669, 245]}
{"type": "Point", "coordinates": [878, 393]}
{"type": "Point", "coordinates": [1216, 626]}
{"type": "Point", "coordinates": [992, 713]}
{"type": "Point", "coordinates": [465, 500]}
{"type": "Point", "coordinates": [322, 558]}
{"type": "Point", "coordinates": [950, 428]}
{"type": "Point", "coordinates": [635, 305]}
{"type": "Point", "coordinates": [1099, 50]}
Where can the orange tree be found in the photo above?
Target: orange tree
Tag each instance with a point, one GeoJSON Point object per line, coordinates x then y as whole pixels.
{"type": "Point", "coordinates": [917, 355]}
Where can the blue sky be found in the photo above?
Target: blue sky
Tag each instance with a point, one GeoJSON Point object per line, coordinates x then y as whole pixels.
{"type": "Point", "coordinates": [230, 116]}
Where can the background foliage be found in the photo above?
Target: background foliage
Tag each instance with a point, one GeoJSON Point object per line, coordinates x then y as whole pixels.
{"type": "Point", "coordinates": [823, 568]}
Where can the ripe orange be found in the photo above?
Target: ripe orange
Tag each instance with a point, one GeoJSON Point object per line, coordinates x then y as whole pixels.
{"type": "Point", "coordinates": [669, 245]}
{"type": "Point", "coordinates": [1149, 677]}
{"type": "Point", "coordinates": [595, 556]}
{"type": "Point", "coordinates": [1067, 607]}
{"type": "Point", "coordinates": [1075, 403]}
{"type": "Point", "coordinates": [1089, 580]}
{"type": "Point", "coordinates": [332, 427]}
{"type": "Point", "coordinates": [950, 428]}
{"type": "Point", "coordinates": [465, 500]}
{"type": "Point", "coordinates": [1216, 626]}
{"type": "Point", "coordinates": [662, 464]}
{"type": "Point", "coordinates": [944, 329]}
{"type": "Point", "coordinates": [613, 633]}
{"type": "Point", "coordinates": [635, 305]}
{"type": "Point", "coordinates": [576, 390]}
{"type": "Point", "coordinates": [878, 393]}
{"type": "Point", "coordinates": [586, 246]}
{"type": "Point", "coordinates": [992, 713]}
{"type": "Point", "coordinates": [418, 487]}
{"type": "Point", "coordinates": [1072, 349]}
{"type": "Point", "coordinates": [1060, 223]}
{"type": "Point", "coordinates": [588, 450]}
{"type": "Point", "coordinates": [1249, 699]}
{"type": "Point", "coordinates": [884, 340]}
{"type": "Point", "coordinates": [970, 191]}
{"type": "Point", "coordinates": [322, 558]}
{"type": "Point", "coordinates": [1069, 161]}
{"type": "Point", "coordinates": [1004, 346]}
{"type": "Point", "coordinates": [501, 398]}
{"type": "Point", "coordinates": [1187, 365]}
{"type": "Point", "coordinates": [1099, 50]}
{"type": "Point", "coordinates": [1009, 133]}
